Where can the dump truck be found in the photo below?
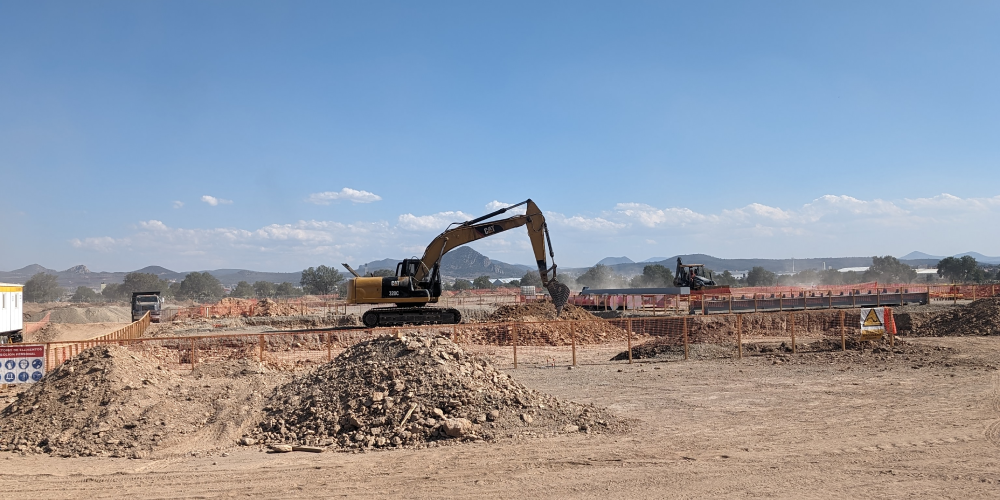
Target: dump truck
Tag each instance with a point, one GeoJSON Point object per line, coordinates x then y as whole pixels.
{"type": "Point", "coordinates": [143, 302]}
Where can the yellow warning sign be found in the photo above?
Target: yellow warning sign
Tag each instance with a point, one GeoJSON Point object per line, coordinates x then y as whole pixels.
{"type": "Point", "coordinates": [872, 319]}
{"type": "Point", "coordinates": [872, 323]}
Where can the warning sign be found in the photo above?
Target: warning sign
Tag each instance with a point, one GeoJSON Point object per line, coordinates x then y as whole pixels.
{"type": "Point", "coordinates": [876, 322]}
{"type": "Point", "coordinates": [20, 364]}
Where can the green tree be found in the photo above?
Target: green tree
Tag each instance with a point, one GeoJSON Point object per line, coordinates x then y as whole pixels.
{"type": "Point", "coordinates": [264, 289]}
{"type": "Point", "coordinates": [831, 277]}
{"type": "Point", "coordinates": [321, 280]}
{"type": "Point", "coordinates": [461, 284]}
{"type": "Point", "coordinates": [242, 290]}
{"type": "Point", "coordinates": [958, 270]}
{"type": "Point", "coordinates": [201, 286]}
{"type": "Point", "coordinates": [141, 282]}
{"type": "Point", "coordinates": [657, 276]}
{"type": "Point", "coordinates": [597, 276]}
{"type": "Point", "coordinates": [482, 283]}
{"type": "Point", "coordinates": [727, 278]}
{"type": "Point", "coordinates": [758, 276]}
{"type": "Point", "coordinates": [286, 290]}
{"type": "Point", "coordinates": [42, 288]}
{"type": "Point", "coordinates": [531, 278]}
{"type": "Point", "coordinates": [85, 294]}
{"type": "Point", "coordinates": [889, 269]}
{"type": "Point", "coordinates": [112, 292]}
{"type": "Point", "coordinates": [383, 273]}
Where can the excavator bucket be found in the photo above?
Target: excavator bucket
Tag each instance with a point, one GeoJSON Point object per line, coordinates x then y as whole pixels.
{"type": "Point", "coordinates": [559, 293]}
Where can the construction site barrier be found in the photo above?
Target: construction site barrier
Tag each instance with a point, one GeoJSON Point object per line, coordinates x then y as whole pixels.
{"type": "Point", "coordinates": [509, 345]}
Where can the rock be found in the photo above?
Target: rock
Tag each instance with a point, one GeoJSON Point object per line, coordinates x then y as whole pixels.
{"type": "Point", "coordinates": [526, 418]}
{"type": "Point", "coordinates": [571, 428]}
{"type": "Point", "coordinates": [281, 448]}
{"type": "Point", "coordinates": [457, 427]}
{"type": "Point", "coordinates": [248, 441]}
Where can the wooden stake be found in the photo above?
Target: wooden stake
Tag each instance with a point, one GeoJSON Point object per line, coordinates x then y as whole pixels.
{"type": "Point", "coordinates": [843, 333]}
{"type": "Point", "coordinates": [194, 353]}
{"type": "Point", "coordinates": [572, 339]}
{"type": "Point", "coordinates": [515, 345]}
{"type": "Point", "coordinates": [791, 318]}
{"type": "Point", "coordinates": [739, 334]}
{"type": "Point", "coordinates": [630, 341]}
{"type": "Point", "coordinates": [329, 346]}
{"type": "Point", "coordinates": [685, 337]}
{"type": "Point", "coordinates": [261, 348]}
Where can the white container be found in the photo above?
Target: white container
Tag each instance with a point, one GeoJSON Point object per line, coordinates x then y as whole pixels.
{"type": "Point", "coordinates": [11, 308]}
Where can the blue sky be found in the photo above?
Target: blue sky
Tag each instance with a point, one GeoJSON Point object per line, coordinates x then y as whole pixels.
{"type": "Point", "coordinates": [279, 135]}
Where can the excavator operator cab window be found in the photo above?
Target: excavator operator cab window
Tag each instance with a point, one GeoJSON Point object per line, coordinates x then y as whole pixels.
{"type": "Point", "coordinates": [407, 268]}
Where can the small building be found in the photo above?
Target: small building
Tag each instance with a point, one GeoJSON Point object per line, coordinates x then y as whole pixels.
{"type": "Point", "coordinates": [11, 312]}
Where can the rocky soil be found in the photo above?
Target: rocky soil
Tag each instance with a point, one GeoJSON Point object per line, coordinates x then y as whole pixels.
{"type": "Point", "coordinates": [540, 326]}
{"type": "Point", "coordinates": [110, 402]}
{"type": "Point", "coordinates": [393, 392]}
{"type": "Point", "coordinates": [981, 317]}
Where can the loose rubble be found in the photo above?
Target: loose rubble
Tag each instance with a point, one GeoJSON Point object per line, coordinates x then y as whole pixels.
{"type": "Point", "coordinates": [412, 392]}
{"type": "Point", "coordinates": [108, 401]}
{"type": "Point", "coordinates": [981, 317]}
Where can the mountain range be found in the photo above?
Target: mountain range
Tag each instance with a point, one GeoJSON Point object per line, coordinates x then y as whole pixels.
{"type": "Point", "coordinates": [464, 262]}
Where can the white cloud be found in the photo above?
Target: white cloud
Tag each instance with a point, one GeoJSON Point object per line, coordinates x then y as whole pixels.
{"type": "Point", "coordinates": [177, 204]}
{"type": "Point", "coordinates": [353, 195]}
{"type": "Point", "coordinates": [495, 205]}
{"type": "Point", "coordinates": [213, 201]}
{"type": "Point", "coordinates": [830, 225]}
{"type": "Point", "coordinates": [435, 222]}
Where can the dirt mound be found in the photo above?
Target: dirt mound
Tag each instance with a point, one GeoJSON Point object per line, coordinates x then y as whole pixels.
{"type": "Point", "coordinates": [97, 314]}
{"type": "Point", "coordinates": [110, 402]}
{"type": "Point", "coordinates": [981, 317]}
{"type": "Point", "coordinates": [231, 307]}
{"type": "Point", "coordinates": [406, 392]}
{"type": "Point", "coordinates": [268, 307]}
{"type": "Point", "coordinates": [540, 326]}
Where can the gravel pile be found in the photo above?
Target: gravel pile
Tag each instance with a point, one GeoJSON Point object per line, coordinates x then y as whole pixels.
{"type": "Point", "coordinates": [412, 392]}
{"type": "Point", "coordinates": [110, 402]}
{"type": "Point", "coordinates": [981, 317]}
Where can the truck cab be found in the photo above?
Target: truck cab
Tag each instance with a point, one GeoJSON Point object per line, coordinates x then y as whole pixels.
{"type": "Point", "coordinates": [143, 302]}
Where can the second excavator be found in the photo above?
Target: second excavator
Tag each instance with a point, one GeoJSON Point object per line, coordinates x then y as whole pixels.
{"type": "Point", "coordinates": [417, 282]}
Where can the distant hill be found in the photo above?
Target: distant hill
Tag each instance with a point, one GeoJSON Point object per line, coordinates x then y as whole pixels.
{"type": "Point", "coordinates": [610, 261]}
{"type": "Point", "coordinates": [718, 265]}
{"type": "Point", "coordinates": [919, 256]}
{"type": "Point", "coordinates": [656, 259]}
{"type": "Point", "coordinates": [462, 262]}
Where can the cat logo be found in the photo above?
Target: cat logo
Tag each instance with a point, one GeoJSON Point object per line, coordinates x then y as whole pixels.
{"type": "Point", "coordinates": [489, 229]}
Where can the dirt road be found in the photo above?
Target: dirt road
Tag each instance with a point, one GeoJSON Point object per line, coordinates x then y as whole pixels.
{"type": "Point", "coordinates": [813, 426]}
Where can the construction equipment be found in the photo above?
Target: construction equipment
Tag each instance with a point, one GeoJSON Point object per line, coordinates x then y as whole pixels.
{"type": "Point", "coordinates": [418, 281]}
{"type": "Point", "coordinates": [143, 302]}
{"type": "Point", "coordinates": [692, 276]}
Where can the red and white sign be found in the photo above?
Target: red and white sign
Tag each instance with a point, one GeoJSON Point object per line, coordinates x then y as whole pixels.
{"type": "Point", "coordinates": [21, 364]}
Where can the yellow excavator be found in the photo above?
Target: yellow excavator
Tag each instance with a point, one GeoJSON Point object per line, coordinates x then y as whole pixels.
{"type": "Point", "coordinates": [418, 281]}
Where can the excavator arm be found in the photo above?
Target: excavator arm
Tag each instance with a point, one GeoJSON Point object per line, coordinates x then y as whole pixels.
{"type": "Point", "coordinates": [469, 231]}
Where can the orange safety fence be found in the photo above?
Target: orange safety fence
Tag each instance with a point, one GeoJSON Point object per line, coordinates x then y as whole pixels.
{"type": "Point", "coordinates": [509, 345]}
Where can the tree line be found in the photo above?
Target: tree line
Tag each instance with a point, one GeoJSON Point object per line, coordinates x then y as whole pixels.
{"type": "Point", "coordinates": [324, 280]}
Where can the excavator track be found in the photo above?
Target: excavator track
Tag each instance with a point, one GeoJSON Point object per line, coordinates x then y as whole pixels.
{"type": "Point", "coordinates": [400, 316]}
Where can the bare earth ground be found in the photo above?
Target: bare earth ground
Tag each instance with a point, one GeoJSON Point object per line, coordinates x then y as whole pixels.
{"type": "Point", "coordinates": [831, 427]}
{"type": "Point", "coordinates": [56, 332]}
